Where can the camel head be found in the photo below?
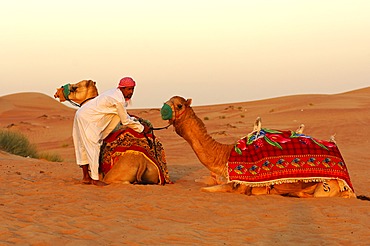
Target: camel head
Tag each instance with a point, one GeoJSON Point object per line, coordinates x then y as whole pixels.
{"type": "Point", "coordinates": [60, 95]}
{"type": "Point", "coordinates": [175, 108]}
{"type": "Point", "coordinates": [78, 93]}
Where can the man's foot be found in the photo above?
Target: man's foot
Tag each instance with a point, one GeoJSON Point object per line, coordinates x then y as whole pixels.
{"type": "Point", "coordinates": [98, 183]}
{"type": "Point", "coordinates": [85, 175]}
{"type": "Point", "coordinates": [86, 181]}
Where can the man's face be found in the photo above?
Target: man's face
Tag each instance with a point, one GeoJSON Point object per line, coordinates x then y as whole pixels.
{"type": "Point", "coordinates": [127, 92]}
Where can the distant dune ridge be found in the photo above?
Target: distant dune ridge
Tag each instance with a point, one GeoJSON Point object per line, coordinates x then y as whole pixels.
{"type": "Point", "coordinates": [43, 203]}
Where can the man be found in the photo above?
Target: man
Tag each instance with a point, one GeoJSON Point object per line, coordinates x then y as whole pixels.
{"type": "Point", "coordinates": [95, 120]}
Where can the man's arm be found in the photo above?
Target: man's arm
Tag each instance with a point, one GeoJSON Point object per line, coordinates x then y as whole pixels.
{"type": "Point", "coordinates": [127, 120]}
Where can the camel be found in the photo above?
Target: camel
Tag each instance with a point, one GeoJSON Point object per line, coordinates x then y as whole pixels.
{"type": "Point", "coordinates": [215, 156]}
{"type": "Point", "coordinates": [126, 156]}
{"type": "Point", "coordinates": [78, 93]}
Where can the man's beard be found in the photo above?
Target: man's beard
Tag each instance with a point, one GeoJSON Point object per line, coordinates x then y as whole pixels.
{"type": "Point", "coordinates": [128, 102]}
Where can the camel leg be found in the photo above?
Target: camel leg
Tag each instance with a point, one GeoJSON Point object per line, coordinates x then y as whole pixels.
{"type": "Point", "coordinates": [243, 189]}
{"type": "Point", "coordinates": [305, 193]}
{"type": "Point", "coordinates": [262, 191]}
{"type": "Point", "coordinates": [207, 180]}
{"type": "Point", "coordinates": [328, 188]}
{"type": "Point", "coordinates": [331, 188]}
{"type": "Point", "coordinates": [219, 188]}
{"type": "Point", "coordinates": [299, 189]}
{"type": "Point", "coordinates": [213, 179]}
{"type": "Point", "coordinates": [229, 187]}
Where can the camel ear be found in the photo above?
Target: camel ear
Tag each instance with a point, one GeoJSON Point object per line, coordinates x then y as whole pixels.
{"type": "Point", "coordinates": [188, 102]}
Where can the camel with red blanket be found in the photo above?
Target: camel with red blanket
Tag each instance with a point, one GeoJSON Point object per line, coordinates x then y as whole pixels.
{"type": "Point", "coordinates": [266, 161]}
{"type": "Point", "coordinates": [125, 156]}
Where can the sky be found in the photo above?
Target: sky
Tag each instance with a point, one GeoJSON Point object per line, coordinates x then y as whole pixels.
{"type": "Point", "coordinates": [213, 51]}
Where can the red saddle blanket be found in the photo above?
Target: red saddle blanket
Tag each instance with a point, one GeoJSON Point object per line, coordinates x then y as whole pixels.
{"type": "Point", "coordinates": [274, 157]}
{"type": "Point", "coordinates": [125, 140]}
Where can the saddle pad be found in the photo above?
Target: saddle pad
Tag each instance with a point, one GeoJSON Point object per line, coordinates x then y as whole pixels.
{"type": "Point", "coordinates": [273, 157]}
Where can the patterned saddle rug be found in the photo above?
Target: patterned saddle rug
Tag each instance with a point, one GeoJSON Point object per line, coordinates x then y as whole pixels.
{"type": "Point", "coordinates": [121, 141]}
{"type": "Point", "coordinates": [273, 157]}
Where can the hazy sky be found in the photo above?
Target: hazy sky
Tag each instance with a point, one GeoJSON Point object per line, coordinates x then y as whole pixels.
{"type": "Point", "coordinates": [212, 51]}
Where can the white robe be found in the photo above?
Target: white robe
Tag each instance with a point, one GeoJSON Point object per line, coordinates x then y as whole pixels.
{"type": "Point", "coordinates": [94, 121]}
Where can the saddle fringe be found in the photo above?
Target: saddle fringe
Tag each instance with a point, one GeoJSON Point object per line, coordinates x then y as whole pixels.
{"type": "Point", "coordinates": [342, 183]}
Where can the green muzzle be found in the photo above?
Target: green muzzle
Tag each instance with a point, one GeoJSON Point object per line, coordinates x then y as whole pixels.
{"type": "Point", "coordinates": [66, 90]}
{"type": "Point", "coordinates": [166, 112]}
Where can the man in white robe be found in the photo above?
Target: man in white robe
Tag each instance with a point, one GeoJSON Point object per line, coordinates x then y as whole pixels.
{"type": "Point", "coordinates": [95, 120]}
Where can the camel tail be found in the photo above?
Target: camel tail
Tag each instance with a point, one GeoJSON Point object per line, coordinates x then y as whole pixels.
{"type": "Point", "coordinates": [364, 198]}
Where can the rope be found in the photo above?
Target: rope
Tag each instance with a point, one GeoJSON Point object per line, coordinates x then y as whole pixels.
{"type": "Point", "coordinates": [73, 103]}
{"type": "Point", "coordinates": [151, 144]}
{"type": "Point", "coordinates": [160, 128]}
{"type": "Point", "coordinates": [79, 105]}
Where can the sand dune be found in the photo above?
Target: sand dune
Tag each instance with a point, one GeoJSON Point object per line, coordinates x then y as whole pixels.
{"type": "Point", "coordinates": [42, 203]}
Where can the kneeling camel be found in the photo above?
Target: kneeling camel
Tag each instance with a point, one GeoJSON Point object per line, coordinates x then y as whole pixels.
{"type": "Point", "coordinates": [226, 160]}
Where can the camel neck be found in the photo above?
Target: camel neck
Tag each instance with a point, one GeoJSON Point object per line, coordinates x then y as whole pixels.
{"type": "Point", "coordinates": [212, 154]}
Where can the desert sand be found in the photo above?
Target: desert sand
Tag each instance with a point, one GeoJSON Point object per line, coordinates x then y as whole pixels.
{"type": "Point", "coordinates": [43, 203]}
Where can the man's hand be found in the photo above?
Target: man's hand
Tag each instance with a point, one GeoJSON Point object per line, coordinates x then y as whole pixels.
{"type": "Point", "coordinates": [147, 125]}
{"type": "Point", "coordinates": [147, 129]}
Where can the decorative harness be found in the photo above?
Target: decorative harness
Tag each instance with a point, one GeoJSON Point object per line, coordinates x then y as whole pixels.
{"type": "Point", "coordinates": [167, 111]}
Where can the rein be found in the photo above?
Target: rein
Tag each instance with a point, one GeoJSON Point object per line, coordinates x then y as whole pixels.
{"type": "Point", "coordinates": [76, 104]}
{"type": "Point", "coordinates": [73, 103]}
{"type": "Point", "coordinates": [153, 145]}
{"type": "Point", "coordinates": [160, 128]}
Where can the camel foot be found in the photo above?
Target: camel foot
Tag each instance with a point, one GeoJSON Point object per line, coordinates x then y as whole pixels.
{"type": "Point", "coordinates": [219, 188]}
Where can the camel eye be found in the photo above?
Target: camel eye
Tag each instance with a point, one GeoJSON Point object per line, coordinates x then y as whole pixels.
{"type": "Point", "coordinates": [179, 106]}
